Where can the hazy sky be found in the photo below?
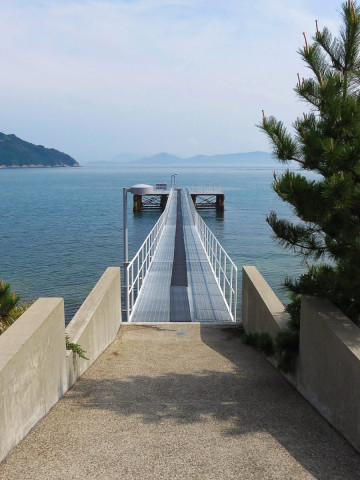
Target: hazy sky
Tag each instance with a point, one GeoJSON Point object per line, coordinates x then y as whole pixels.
{"type": "Point", "coordinates": [99, 78]}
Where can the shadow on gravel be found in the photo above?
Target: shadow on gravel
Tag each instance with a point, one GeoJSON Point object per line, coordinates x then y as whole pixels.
{"type": "Point", "coordinates": [251, 398]}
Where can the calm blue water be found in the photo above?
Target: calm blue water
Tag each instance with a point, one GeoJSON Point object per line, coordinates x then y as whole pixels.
{"type": "Point", "coordinates": [61, 228]}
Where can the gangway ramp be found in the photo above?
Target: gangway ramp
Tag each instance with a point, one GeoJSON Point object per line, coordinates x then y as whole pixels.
{"type": "Point", "coordinates": [181, 272]}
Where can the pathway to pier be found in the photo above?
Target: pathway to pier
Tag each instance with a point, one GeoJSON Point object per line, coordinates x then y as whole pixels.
{"type": "Point", "coordinates": [181, 401]}
{"type": "Point", "coordinates": [180, 284]}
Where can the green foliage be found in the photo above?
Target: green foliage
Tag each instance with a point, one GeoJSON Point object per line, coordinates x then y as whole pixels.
{"type": "Point", "coordinates": [8, 300]}
{"type": "Point", "coordinates": [286, 347]}
{"type": "Point", "coordinates": [15, 152]}
{"type": "Point", "coordinates": [326, 141]}
{"type": "Point", "coordinates": [10, 310]}
{"type": "Point", "coordinates": [75, 347]}
{"type": "Point", "coordinates": [262, 342]}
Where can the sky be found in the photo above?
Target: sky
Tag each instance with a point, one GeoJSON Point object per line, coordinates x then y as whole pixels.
{"type": "Point", "coordinates": [98, 78]}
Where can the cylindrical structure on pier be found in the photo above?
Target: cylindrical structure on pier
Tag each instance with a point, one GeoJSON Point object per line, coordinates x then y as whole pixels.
{"type": "Point", "coordinates": [138, 191]}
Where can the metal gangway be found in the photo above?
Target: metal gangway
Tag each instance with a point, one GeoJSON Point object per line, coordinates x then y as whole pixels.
{"type": "Point", "coordinates": [181, 273]}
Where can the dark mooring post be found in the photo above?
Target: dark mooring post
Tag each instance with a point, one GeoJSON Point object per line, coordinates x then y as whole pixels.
{"type": "Point", "coordinates": [163, 201]}
{"type": "Point", "coordinates": [220, 202]}
{"type": "Point", "coordinates": [138, 204]}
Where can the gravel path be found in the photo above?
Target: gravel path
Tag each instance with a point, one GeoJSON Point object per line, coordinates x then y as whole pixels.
{"type": "Point", "coordinates": [201, 405]}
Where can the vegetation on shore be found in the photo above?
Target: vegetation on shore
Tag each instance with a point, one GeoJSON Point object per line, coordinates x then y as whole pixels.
{"type": "Point", "coordinates": [15, 153]}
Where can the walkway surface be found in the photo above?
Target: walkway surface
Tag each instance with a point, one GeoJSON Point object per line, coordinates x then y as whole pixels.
{"type": "Point", "coordinates": [159, 404]}
{"type": "Point", "coordinates": [180, 283]}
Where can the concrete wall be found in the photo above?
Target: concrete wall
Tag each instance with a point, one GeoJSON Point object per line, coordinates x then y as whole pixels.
{"type": "Point", "coordinates": [261, 310]}
{"type": "Point", "coordinates": [32, 369]}
{"type": "Point", "coordinates": [35, 368]}
{"type": "Point", "coordinates": [96, 323]}
{"type": "Point", "coordinates": [329, 365]}
{"type": "Point", "coordinates": [328, 369]}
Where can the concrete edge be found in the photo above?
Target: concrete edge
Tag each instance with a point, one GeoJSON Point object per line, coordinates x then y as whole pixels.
{"type": "Point", "coordinates": [261, 311]}
{"type": "Point", "coordinates": [83, 316]}
{"type": "Point", "coordinates": [96, 324]}
{"type": "Point", "coordinates": [19, 333]}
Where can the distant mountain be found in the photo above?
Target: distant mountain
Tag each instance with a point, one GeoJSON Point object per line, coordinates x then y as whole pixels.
{"type": "Point", "coordinates": [15, 152]}
{"type": "Point", "coordinates": [234, 158]}
{"type": "Point", "coordinates": [255, 159]}
{"type": "Point", "coordinates": [119, 159]}
{"type": "Point", "coordinates": [126, 157]}
{"type": "Point", "coordinates": [160, 159]}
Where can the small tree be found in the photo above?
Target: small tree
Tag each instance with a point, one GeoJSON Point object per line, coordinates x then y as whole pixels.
{"type": "Point", "coordinates": [9, 311]}
{"type": "Point", "coordinates": [326, 141]}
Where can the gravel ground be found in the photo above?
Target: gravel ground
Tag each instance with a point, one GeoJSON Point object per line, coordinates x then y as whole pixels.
{"type": "Point", "coordinates": [198, 405]}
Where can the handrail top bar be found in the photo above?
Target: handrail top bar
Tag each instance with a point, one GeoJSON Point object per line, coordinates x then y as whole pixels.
{"type": "Point", "coordinates": [194, 189]}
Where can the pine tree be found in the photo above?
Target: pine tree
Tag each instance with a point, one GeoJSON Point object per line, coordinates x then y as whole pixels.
{"type": "Point", "coordinates": [8, 300]}
{"type": "Point", "coordinates": [326, 141]}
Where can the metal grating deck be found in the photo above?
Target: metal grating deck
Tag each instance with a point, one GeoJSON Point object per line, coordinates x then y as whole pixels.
{"type": "Point", "coordinates": [157, 296]}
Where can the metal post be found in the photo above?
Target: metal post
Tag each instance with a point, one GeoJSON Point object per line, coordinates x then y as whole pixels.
{"type": "Point", "coordinates": [235, 295]}
{"type": "Point", "coordinates": [125, 190]}
{"type": "Point", "coordinates": [173, 175]}
{"type": "Point", "coordinates": [126, 256]}
{"type": "Point", "coordinates": [231, 291]}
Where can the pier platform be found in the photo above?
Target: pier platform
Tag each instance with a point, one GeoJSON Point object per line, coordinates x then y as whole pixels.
{"type": "Point", "coordinates": [180, 284]}
{"type": "Point", "coordinates": [203, 198]}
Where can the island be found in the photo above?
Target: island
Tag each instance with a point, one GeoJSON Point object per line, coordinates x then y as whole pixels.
{"type": "Point", "coordinates": [16, 153]}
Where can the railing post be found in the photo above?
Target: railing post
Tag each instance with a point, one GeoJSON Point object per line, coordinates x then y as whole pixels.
{"type": "Point", "coordinates": [235, 295]}
{"type": "Point", "coordinates": [231, 288]}
{"type": "Point", "coordinates": [126, 291]}
{"type": "Point", "coordinates": [224, 275]}
{"type": "Point", "coordinates": [132, 285]}
{"type": "Point", "coordinates": [138, 275]}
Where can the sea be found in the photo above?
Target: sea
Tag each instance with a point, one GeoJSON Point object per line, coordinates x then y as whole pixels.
{"type": "Point", "coordinates": [60, 228]}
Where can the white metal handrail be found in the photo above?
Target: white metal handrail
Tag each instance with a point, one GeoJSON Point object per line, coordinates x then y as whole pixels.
{"type": "Point", "coordinates": [140, 264]}
{"type": "Point", "coordinates": [205, 189]}
{"type": "Point", "coordinates": [223, 267]}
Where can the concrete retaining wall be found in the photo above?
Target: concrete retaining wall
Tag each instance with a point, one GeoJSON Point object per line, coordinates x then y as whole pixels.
{"type": "Point", "coordinates": [328, 369]}
{"type": "Point", "coordinates": [329, 365]}
{"type": "Point", "coordinates": [96, 323]}
{"type": "Point", "coordinates": [35, 368]}
{"type": "Point", "coordinates": [32, 369]}
{"type": "Point", "coordinates": [261, 310]}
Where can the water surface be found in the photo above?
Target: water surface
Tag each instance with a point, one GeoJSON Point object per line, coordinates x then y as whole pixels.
{"type": "Point", "coordinates": [60, 228]}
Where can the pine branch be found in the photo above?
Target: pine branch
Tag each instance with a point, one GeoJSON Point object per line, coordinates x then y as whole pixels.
{"type": "Point", "coordinates": [284, 147]}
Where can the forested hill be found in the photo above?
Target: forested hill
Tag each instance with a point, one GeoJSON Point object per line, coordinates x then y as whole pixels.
{"type": "Point", "coordinates": [15, 152]}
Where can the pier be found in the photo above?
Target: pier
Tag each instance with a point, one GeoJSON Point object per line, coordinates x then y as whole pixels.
{"type": "Point", "coordinates": [181, 272]}
{"type": "Point", "coordinates": [203, 197]}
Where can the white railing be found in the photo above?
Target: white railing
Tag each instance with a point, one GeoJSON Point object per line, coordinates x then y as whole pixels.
{"type": "Point", "coordinates": [223, 267]}
{"type": "Point", "coordinates": [203, 189]}
{"type": "Point", "coordinates": [140, 264]}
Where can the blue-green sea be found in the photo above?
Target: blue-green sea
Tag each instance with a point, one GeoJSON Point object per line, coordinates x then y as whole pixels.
{"type": "Point", "coordinates": [61, 227]}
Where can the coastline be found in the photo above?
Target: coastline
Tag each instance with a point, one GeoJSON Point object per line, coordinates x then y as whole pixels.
{"type": "Point", "coordinates": [40, 166]}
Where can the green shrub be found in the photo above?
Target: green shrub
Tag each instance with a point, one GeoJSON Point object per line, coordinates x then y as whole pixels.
{"type": "Point", "coordinates": [287, 348]}
{"type": "Point", "coordinates": [10, 310]}
{"type": "Point", "coordinates": [262, 342]}
{"type": "Point", "coordinates": [75, 347]}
